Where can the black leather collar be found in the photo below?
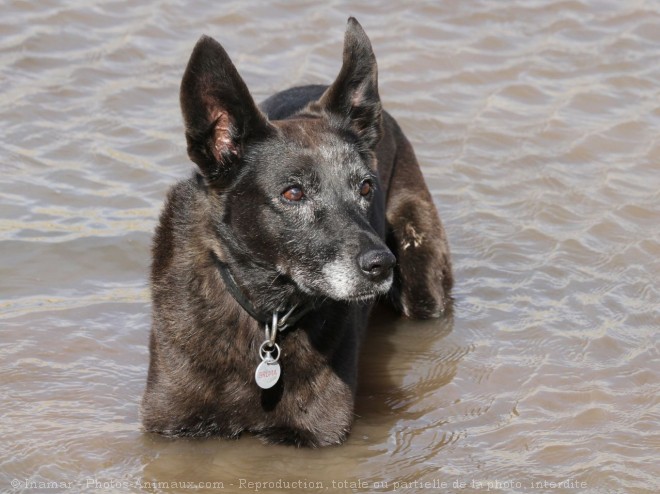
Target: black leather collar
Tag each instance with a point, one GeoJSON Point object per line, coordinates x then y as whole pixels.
{"type": "Point", "coordinates": [295, 313]}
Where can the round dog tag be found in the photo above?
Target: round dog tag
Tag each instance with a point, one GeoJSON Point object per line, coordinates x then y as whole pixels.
{"type": "Point", "coordinates": [267, 374]}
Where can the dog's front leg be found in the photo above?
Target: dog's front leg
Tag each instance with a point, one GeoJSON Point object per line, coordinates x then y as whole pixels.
{"type": "Point", "coordinates": [423, 275]}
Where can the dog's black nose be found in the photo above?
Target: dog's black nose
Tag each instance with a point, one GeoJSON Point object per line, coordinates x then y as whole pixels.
{"type": "Point", "coordinates": [377, 263]}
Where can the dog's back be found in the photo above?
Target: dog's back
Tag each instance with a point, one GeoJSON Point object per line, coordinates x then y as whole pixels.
{"type": "Point", "coordinates": [289, 102]}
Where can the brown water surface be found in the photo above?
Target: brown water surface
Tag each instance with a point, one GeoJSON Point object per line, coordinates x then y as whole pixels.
{"type": "Point", "coordinates": [537, 125]}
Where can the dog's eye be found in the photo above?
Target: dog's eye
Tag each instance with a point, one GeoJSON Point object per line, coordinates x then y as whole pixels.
{"type": "Point", "coordinates": [365, 188]}
{"type": "Point", "coordinates": [293, 194]}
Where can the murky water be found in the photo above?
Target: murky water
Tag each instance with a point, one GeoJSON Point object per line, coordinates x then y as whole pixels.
{"type": "Point", "coordinates": [538, 127]}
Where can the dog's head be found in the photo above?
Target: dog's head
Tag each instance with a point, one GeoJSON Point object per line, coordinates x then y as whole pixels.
{"type": "Point", "coordinates": [299, 197]}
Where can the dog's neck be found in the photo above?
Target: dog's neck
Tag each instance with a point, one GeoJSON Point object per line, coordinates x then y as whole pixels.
{"type": "Point", "coordinates": [263, 313]}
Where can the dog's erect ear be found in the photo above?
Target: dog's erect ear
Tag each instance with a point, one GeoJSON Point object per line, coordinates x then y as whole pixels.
{"type": "Point", "coordinates": [218, 111]}
{"type": "Point", "coordinates": [354, 94]}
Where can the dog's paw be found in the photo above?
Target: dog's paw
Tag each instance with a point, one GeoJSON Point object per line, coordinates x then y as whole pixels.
{"type": "Point", "coordinates": [423, 300]}
{"type": "Point", "coordinates": [423, 281]}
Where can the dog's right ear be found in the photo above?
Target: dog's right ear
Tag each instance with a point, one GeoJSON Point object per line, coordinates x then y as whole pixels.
{"type": "Point", "coordinates": [353, 96]}
{"type": "Point", "coordinates": [218, 111]}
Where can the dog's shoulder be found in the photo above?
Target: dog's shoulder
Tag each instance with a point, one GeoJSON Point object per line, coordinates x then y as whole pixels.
{"type": "Point", "coordinates": [176, 219]}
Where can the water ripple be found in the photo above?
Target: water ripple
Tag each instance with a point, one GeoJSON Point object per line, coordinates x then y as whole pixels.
{"type": "Point", "coordinates": [536, 127]}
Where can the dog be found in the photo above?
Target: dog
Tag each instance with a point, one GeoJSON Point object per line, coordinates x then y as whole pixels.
{"type": "Point", "coordinates": [301, 213]}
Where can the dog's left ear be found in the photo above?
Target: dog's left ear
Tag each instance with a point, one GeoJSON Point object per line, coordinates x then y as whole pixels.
{"type": "Point", "coordinates": [354, 94]}
{"type": "Point", "coordinates": [219, 113]}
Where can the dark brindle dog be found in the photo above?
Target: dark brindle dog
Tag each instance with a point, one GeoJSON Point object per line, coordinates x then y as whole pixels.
{"type": "Point", "coordinates": [266, 263]}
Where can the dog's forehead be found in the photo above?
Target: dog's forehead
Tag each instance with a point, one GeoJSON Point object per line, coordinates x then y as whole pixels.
{"type": "Point", "coordinates": [305, 131]}
{"type": "Point", "coordinates": [314, 137]}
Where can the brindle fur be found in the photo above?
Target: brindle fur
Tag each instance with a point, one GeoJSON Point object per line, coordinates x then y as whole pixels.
{"type": "Point", "coordinates": [204, 345]}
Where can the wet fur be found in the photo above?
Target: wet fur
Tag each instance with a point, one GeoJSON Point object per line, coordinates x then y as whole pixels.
{"type": "Point", "coordinates": [204, 346]}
